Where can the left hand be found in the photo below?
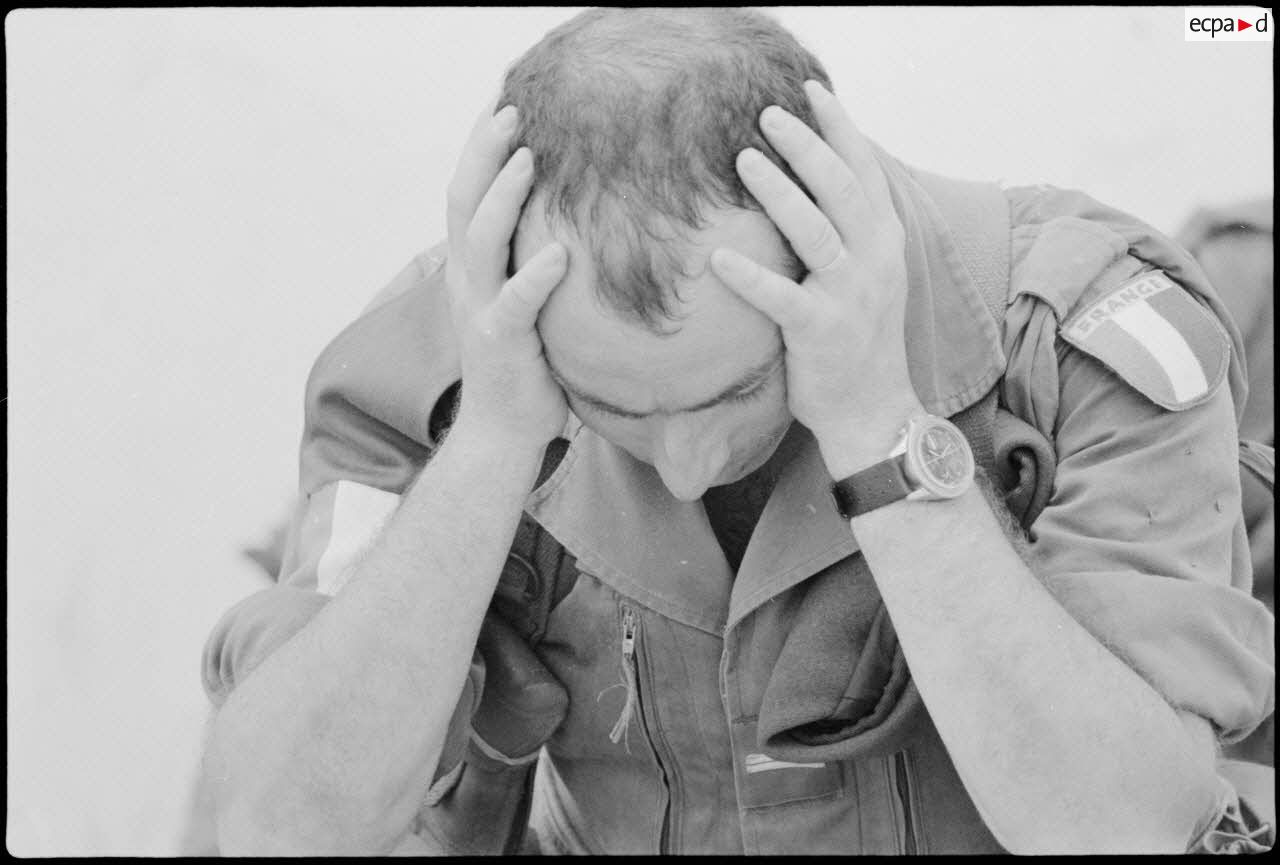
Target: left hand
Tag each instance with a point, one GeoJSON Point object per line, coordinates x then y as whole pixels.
{"type": "Point", "coordinates": [843, 326]}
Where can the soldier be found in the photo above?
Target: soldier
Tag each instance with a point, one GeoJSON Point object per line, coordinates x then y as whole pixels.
{"type": "Point", "coordinates": [699, 535]}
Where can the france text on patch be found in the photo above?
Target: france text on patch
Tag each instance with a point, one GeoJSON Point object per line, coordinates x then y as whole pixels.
{"type": "Point", "coordinates": [1145, 285]}
{"type": "Point", "coordinates": [1156, 337]}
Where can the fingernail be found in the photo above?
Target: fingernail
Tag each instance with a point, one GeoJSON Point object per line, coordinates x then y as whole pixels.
{"type": "Point", "coordinates": [773, 118]}
{"type": "Point", "coordinates": [728, 264]}
{"type": "Point", "coordinates": [506, 118]}
{"type": "Point", "coordinates": [522, 159]}
{"type": "Point", "coordinates": [751, 162]}
{"type": "Point", "coordinates": [816, 91]}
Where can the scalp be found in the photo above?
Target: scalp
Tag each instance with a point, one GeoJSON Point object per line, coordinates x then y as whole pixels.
{"type": "Point", "coordinates": [635, 118]}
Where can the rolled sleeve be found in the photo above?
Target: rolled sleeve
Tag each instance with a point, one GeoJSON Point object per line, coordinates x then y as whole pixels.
{"type": "Point", "coordinates": [1245, 818]}
{"type": "Point", "coordinates": [1143, 542]}
{"type": "Point", "coordinates": [250, 631]}
{"type": "Point", "coordinates": [253, 629]}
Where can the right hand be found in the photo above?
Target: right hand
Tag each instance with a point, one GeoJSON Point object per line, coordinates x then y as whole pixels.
{"type": "Point", "coordinates": [507, 388]}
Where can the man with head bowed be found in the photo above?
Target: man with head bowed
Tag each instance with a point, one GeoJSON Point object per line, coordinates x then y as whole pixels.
{"type": "Point", "coordinates": [724, 485]}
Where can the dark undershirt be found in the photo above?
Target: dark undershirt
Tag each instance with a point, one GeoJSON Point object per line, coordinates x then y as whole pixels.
{"type": "Point", "coordinates": [734, 509]}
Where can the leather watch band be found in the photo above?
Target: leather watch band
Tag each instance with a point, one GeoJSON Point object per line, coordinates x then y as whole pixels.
{"type": "Point", "coordinates": [871, 488]}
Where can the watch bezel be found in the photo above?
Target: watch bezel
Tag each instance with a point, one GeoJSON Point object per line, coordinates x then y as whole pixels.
{"type": "Point", "coordinates": [929, 486]}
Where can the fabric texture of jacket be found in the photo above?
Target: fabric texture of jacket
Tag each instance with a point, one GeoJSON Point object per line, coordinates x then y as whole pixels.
{"type": "Point", "coordinates": [673, 706]}
{"type": "Point", "coordinates": [1235, 245]}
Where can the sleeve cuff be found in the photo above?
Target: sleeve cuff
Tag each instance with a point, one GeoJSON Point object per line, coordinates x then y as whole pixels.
{"type": "Point", "coordinates": [1244, 821]}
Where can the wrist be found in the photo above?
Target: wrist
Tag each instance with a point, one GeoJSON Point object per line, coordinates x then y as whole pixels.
{"type": "Point", "coordinates": [504, 442]}
{"type": "Point", "coordinates": [853, 443]}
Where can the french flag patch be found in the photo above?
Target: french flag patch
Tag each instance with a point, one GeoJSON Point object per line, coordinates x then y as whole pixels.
{"type": "Point", "coordinates": [1155, 336]}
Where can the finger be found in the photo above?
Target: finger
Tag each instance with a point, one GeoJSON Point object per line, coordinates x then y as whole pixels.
{"type": "Point", "coordinates": [524, 294]}
{"type": "Point", "coordinates": [490, 108]}
{"type": "Point", "coordinates": [855, 150]}
{"type": "Point", "coordinates": [790, 306]}
{"type": "Point", "coordinates": [807, 228]}
{"type": "Point", "coordinates": [487, 148]}
{"type": "Point", "coordinates": [837, 188]}
{"type": "Point", "coordinates": [488, 237]}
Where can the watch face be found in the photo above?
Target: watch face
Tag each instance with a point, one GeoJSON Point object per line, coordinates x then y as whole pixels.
{"type": "Point", "coordinates": [941, 458]}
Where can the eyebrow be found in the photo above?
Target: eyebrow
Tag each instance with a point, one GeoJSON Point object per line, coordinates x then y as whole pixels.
{"type": "Point", "coordinates": [749, 381]}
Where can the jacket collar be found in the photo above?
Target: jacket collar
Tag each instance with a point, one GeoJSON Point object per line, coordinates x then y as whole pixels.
{"type": "Point", "coordinates": [615, 515]}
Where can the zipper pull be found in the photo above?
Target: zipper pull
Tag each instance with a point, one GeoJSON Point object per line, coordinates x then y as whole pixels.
{"type": "Point", "coordinates": [628, 635]}
{"type": "Point", "coordinates": [620, 729]}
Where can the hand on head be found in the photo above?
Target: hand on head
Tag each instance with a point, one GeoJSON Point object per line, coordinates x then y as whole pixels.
{"type": "Point", "coordinates": [507, 387]}
{"type": "Point", "coordinates": [843, 325]}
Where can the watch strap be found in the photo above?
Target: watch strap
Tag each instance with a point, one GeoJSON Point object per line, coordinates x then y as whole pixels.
{"type": "Point", "coordinates": [873, 487]}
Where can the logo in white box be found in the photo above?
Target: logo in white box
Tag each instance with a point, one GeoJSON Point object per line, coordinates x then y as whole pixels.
{"type": "Point", "coordinates": [1228, 24]}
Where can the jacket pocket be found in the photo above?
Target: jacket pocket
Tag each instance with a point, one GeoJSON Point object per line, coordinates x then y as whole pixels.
{"type": "Point", "coordinates": [481, 807]}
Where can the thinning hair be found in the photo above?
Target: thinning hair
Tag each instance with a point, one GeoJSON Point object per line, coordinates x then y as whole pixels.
{"type": "Point", "coordinates": [635, 118]}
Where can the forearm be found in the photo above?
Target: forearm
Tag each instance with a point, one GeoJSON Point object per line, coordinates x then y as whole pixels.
{"type": "Point", "coordinates": [329, 744]}
{"type": "Point", "coordinates": [1062, 747]}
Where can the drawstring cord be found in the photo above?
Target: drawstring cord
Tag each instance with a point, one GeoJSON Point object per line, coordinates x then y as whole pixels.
{"type": "Point", "coordinates": [621, 729]}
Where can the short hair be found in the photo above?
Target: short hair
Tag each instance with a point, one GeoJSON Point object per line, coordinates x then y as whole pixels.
{"type": "Point", "coordinates": [635, 118]}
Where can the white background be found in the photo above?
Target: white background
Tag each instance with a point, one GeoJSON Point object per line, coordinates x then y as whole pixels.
{"type": "Point", "coordinates": [199, 199]}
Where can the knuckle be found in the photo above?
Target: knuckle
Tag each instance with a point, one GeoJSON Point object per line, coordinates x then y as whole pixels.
{"type": "Point", "coordinates": [473, 240]}
{"type": "Point", "coordinates": [456, 206]}
{"type": "Point", "coordinates": [823, 239]}
{"type": "Point", "coordinates": [806, 143]}
{"type": "Point", "coordinates": [812, 149]}
{"type": "Point", "coordinates": [849, 190]}
{"type": "Point", "coordinates": [837, 261]}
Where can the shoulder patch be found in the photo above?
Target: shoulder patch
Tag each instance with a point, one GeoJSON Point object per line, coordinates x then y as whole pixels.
{"type": "Point", "coordinates": [1155, 336]}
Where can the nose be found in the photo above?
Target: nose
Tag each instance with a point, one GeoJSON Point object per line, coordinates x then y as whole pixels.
{"type": "Point", "coordinates": [689, 457]}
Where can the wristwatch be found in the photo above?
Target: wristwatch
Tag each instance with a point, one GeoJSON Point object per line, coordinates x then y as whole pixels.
{"type": "Point", "coordinates": [931, 461]}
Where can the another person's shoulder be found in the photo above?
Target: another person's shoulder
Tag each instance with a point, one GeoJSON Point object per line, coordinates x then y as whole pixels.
{"type": "Point", "coordinates": [1235, 246]}
{"type": "Point", "coordinates": [1245, 217]}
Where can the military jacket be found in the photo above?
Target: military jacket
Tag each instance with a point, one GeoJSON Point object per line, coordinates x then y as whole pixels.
{"type": "Point", "coordinates": [671, 705]}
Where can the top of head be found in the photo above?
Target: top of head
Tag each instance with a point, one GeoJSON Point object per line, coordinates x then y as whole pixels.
{"type": "Point", "coordinates": [635, 118]}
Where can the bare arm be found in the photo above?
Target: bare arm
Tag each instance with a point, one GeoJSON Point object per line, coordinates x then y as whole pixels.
{"type": "Point", "coordinates": [1061, 745]}
{"type": "Point", "coordinates": [329, 745]}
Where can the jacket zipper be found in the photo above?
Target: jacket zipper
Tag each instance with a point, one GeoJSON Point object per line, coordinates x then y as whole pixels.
{"type": "Point", "coordinates": [902, 783]}
{"type": "Point", "coordinates": [630, 629]}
